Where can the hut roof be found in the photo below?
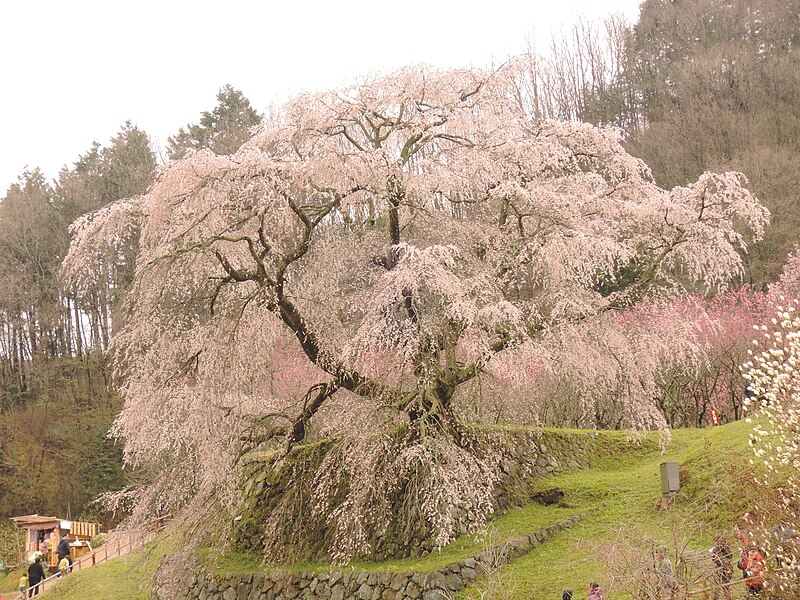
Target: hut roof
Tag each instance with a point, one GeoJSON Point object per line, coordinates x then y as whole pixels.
{"type": "Point", "coordinates": [34, 520]}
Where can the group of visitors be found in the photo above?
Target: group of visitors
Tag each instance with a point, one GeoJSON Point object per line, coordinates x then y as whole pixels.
{"type": "Point", "coordinates": [595, 593]}
{"type": "Point", "coordinates": [31, 582]}
{"type": "Point", "coordinates": [751, 563]}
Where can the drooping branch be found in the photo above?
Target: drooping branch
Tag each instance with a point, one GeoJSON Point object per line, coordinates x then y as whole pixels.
{"type": "Point", "coordinates": [283, 306]}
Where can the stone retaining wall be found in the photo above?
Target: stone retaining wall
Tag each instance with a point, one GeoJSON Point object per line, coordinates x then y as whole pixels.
{"type": "Point", "coordinates": [437, 585]}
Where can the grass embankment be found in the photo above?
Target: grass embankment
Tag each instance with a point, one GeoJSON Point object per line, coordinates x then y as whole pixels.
{"type": "Point", "coordinates": [521, 520]}
{"type": "Point", "coordinates": [9, 582]}
{"type": "Point", "coordinates": [612, 448]}
{"type": "Point", "coordinates": [623, 487]}
{"type": "Point", "coordinates": [627, 492]}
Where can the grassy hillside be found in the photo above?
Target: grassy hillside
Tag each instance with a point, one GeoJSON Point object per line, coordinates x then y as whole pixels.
{"type": "Point", "coordinates": [624, 488]}
{"type": "Point", "coordinates": [127, 578]}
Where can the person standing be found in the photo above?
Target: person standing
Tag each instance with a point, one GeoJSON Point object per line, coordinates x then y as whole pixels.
{"type": "Point", "coordinates": [63, 550]}
{"type": "Point", "coordinates": [23, 585]}
{"type": "Point", "coordinates": [722, 557]}
{"type": "Point", "coordinates": [595, 593]}
{"type": "Point", "coordinates": [752, 566]}
{"type": "Point", "coordinates": [35, 577]}
{"type": "Point", "coordinates": [63, 566]}
{"type": "Point", "coordinates": [666, 577]}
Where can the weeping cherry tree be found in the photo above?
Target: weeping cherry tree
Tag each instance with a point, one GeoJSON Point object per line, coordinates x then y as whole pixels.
{"type": "Point", "coordinates": [368, 255]}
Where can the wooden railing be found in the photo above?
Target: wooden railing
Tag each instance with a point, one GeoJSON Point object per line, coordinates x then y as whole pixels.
{"type": "Point", "coordinates": [112, 549]}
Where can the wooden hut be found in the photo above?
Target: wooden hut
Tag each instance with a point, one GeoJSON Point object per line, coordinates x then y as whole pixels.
{"type": "Point", "coordinates": [43, 533]}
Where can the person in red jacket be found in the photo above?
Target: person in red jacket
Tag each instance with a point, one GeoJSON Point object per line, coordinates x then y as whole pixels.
{"type": "Point", "coordinates": [752, 566]}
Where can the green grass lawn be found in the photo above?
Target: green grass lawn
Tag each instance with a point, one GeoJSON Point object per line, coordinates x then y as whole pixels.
{"type": "Point", "coordinates": [614, 448]}
{"type": "Point", "coordinates": [9, 582]}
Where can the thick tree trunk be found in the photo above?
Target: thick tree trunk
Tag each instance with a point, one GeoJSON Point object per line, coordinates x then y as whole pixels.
{"type": "Point", "coordinates": [78, 330]}
{"type": "Point", "coordinates": [315, 398]}
{"type": "Point", "coordinates": [433, 409]}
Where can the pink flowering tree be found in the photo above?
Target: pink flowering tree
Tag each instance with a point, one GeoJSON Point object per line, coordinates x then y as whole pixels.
{"type": "Point", "coordinates": [366, 257]}
{"type": "Point", "coordinates": [673, 359]}
{"type": "Point", "coordinates": [717, 385]}
{"type": "Point", "coordinates": [698, 387]}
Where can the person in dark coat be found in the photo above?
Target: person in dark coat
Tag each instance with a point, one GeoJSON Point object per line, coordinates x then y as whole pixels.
{"type": "Point", "coordinates": [35, 577]}
{"type": "Point", "coordinates": [722, 557]}
{"type": "Point", "coordinates": [63, 550]}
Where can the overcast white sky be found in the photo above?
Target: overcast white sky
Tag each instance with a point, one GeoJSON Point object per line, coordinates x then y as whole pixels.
{"type": "Point", "coordinates": [74, 71]}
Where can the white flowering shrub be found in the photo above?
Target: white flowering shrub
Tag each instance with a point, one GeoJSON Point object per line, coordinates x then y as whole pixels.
{"type": "Point", "coordinates": [773, 379]}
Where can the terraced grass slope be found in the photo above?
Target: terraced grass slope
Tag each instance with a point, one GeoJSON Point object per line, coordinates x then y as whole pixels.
{"type": "Point", "coordinates": [626, 491]}
{"type": "Point", "coordinates": [622, 487]}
